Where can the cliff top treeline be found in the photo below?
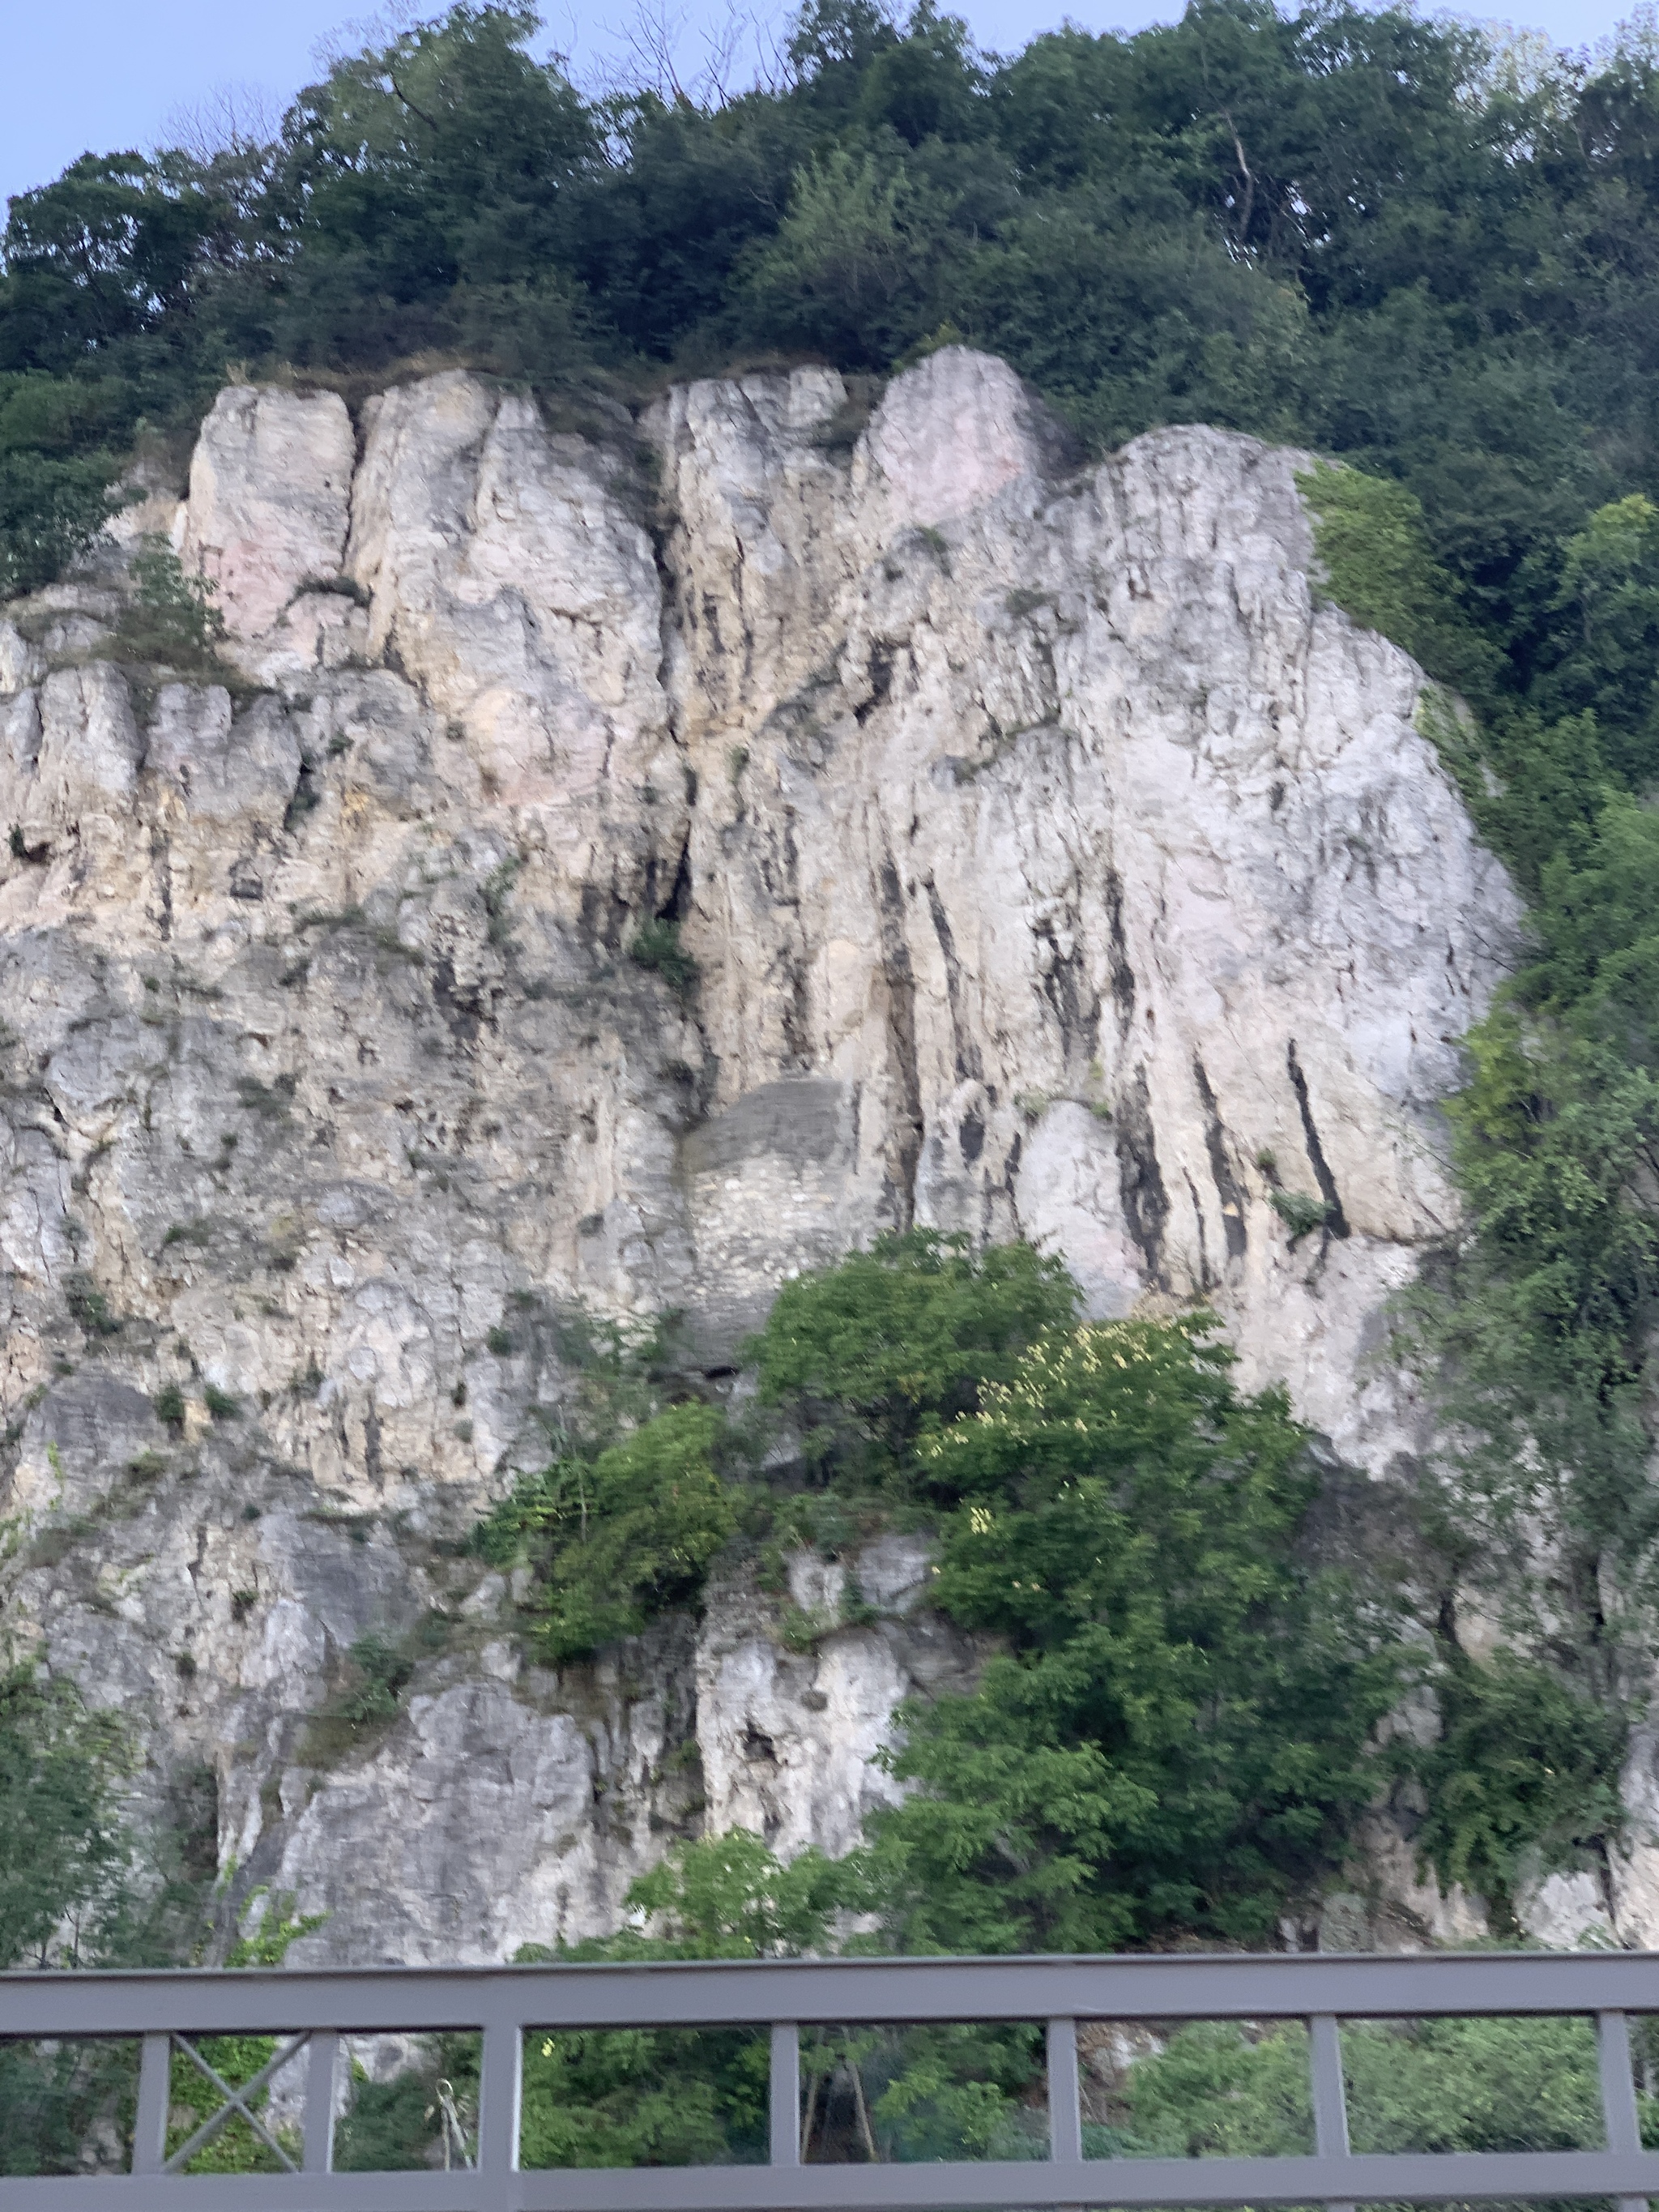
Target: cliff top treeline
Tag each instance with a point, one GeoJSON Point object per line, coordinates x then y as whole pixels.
{"type": "Point", "coordinates": [1394, 239]}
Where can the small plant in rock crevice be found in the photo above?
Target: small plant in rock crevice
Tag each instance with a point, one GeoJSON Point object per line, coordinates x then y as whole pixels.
{"type": "Point", "coordinates": [89, 1306]}
{"type": "Point", "coordinates": [1301, 1214]}
{"type": "Point", "coordinates": [656, 945]}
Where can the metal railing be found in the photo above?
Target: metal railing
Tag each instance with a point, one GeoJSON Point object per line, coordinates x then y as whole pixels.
{"type": "Point", "coordinates": [504, 2004]}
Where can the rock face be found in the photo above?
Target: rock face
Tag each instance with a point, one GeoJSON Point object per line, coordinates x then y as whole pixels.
{"type": "Point", "coordinates": [1053, 865]}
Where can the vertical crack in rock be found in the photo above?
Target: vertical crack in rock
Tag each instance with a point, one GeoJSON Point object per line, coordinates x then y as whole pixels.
{"type": "Point", "coordinates": [904, 1140]}
{"type": "Point", "coordinates": [1336, 1222]}
{"type": "Point", "coordinates": [1123, 975]}
{"type": "Point", "coordinates": [969, 1063]}
{"type": "Point", "coordinates": [1076, 1010]}
{"type": "Point", "coordinates": [1215, 1141]}
{"type": "Point", "coordinates": [1140, 1180]}
{"type": "Point", "coordinates": [1207, 1277]}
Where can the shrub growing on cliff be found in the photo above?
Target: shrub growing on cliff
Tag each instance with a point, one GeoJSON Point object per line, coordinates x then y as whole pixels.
{"type": "Point", "coordinates": [1173, 1733]}
{"type": "Point", "coordinates": [622, 1535]}
{"type": "Point", "coordinates": [172, 618]}
{"type": "Point", "coordinates": [871, 1357]}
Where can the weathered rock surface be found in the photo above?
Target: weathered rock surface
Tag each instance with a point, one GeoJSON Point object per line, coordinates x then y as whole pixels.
{"type": "Point", "coordinates": [1054, 866]}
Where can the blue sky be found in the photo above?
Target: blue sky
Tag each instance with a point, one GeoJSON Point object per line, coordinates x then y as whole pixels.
{"type": "Point", "coordinates": [108, 74]}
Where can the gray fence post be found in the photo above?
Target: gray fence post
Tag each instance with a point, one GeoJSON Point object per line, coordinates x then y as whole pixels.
{"type": "Point", "coordinates": [321, 2062]}
{"type": "Point", "coordinates": [1330, 2101]}
{"type": "Point", "coordinates": [785, 2110]}
{"type": "Point", "coordinates": [1065, 2098]}
{"type": "Point", "coordinates": [1065, 2095]}
{"type": "Point", "coordinates": [1618, 2093]}
{"type": "Point", "coordinates": [500, 2083]}
{"type": "Point", "coordinates": [149, 2127]}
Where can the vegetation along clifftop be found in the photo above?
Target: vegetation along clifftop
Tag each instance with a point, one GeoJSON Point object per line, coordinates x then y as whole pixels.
{"type": "Point", "coordinates": [828, 1086]}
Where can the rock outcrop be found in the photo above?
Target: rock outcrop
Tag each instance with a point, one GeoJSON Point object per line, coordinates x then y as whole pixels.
{"type": "Point", "coordinates": [1054, 864]}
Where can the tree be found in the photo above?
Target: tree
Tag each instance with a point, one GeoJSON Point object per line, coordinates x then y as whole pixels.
{"type": "Point", "coordinates": [63, 1852]}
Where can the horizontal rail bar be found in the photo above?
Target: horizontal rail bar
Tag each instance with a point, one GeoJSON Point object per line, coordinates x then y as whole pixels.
{"type": "Point", "coordinates": [745, 1992]}
{"type": "Point", "coordinates": [980, 2187]}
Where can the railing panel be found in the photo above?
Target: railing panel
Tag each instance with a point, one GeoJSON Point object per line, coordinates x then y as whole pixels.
{"type": "Point", "coordinates": [1330, 2000]}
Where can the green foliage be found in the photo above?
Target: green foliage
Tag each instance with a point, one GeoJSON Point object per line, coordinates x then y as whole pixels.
{"type": "Point", "coordinates": [382, 1673]}
{"type": "Point", "coordinates": [172, 618]}
{"type": "Point", "coordinates": [730, 1897]}
{"type": "Point", "coordinates": [89, 1306]}
{"type": "Point", "coordinates": [391, 2127]}
{"type": "Point", "coordinates": [1301, 1214]}
{"type": "Point", "coordinates": [1523, 1774]}
{"type": "Point", "coordinates": [1605, 645]}
{"type": "Point", "coordinates": [63, 1852]}
{"type": "Point", "coordinates": [622, 1535]}
{"type": "Point", "coordinates": [55, 2099]}
{"type": "Point", "coordinates": [876, 1353]}
{"type": "Point", "coordinates": [1176, 1734]}
{"type": "Point", "coordinates": [1218, 2090]}
{"type": "Point", "coordinates": [51, 507]}
{"type": "Point", "coordinates": [1375, 562]}
{"type": "Point", "coordinates": [657, 947]}
{"type": "Point", "coordinates": [648, 2098]}
{"type": "Point", "coordinates": [222, 1404]}
{"type": "Point", "coordinates": [645, 2097]}
{"type": "Point", "coordinates": [686, 2097]}
{"type": "Point", "coordinates": [848, 268]}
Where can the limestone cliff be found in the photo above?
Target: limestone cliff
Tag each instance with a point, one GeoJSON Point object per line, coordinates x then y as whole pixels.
{"type": "Point", "coordinates": [1053, 863]}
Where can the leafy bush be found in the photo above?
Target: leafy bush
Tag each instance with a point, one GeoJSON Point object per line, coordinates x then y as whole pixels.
{"type": "Point", "coordinates": [621, 1535]}
{"type": "Point", "coordinates": [876, 1353]}
{"type": "Point", "coordinates": [654, 2097]}
{"type": "Point", "coordinates": [1523, 1774]}
{"type": "Point", "coordinates": [171, 617]}
{"type": "Point", "coordinates": [52, 508]}
{"type": "Point", "coordinates": [1175, 1735]}
{"type": "Point", "coordinates": [1375, 562]}
{"type": "Point", "coordinates": [89, 1306]}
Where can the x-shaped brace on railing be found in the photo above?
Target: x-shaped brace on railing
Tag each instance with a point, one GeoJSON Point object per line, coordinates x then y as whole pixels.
{"type": "Point", "coordinates": [235, 2101]}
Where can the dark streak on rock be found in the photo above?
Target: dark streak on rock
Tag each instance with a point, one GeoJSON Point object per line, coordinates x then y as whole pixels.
{"type": "Point", "coordinates": [1336, 1222]}
{"type": "Point", "coordinates": [1145, 1202]}
{"type": "Point", "coordinates": [880, 671]}
{"type": "Point", "coordinates": [1076, 1008]}
{"type": "Point", "coordinates": [969, 1066]}
{"type": "Point", "coordinates": [1232, 1198]}
{"type": "Point", "coordinates": [1123, 975]}
{"type": "Point", "coordinates": [1207, 1279]}
{"type": "Point", "coordinates": [904, 1144]}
